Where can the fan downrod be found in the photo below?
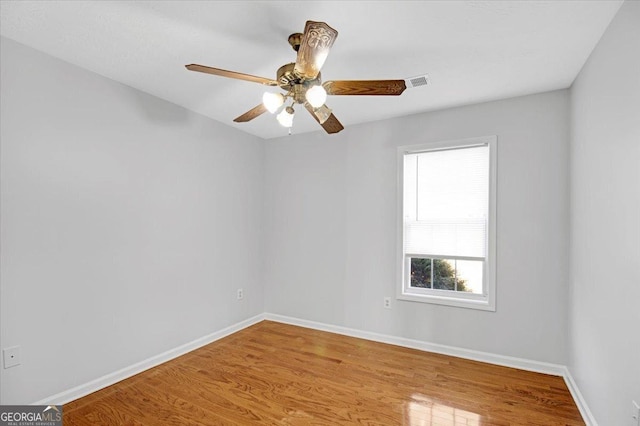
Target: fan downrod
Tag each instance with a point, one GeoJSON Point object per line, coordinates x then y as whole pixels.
{"type": "Point", "coordinates": [294, 40]}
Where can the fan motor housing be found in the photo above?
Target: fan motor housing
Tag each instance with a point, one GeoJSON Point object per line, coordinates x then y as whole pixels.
{"type": "Point", "coordinates": [293, 84]}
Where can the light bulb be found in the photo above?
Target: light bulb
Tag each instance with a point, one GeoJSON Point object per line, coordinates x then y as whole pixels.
{"type": "Point", "coordinates": [316, 96]}
{"type": "Point", "coordinates": [285, 118]}
{"type": "Point", "coordinates": [272, 101]}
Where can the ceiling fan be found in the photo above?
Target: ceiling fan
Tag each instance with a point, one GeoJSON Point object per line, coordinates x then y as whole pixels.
{"type": "Point", "coordinates": [301, 81]}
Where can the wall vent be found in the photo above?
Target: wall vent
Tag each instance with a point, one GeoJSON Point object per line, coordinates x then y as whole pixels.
{"type": "Point", "coordinates": [417, 81]}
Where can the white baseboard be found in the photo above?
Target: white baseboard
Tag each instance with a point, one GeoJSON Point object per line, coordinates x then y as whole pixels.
{"type": "Point", "coordinates": [112, 378]}
{"type": "Point", "coordinates": [587, 416]}
{"type": "Point", "coordinates": [506, 361]}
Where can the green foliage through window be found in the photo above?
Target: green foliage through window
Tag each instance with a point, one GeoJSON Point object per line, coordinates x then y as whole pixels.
{"type": "Point", "coordinates": [444, 275]}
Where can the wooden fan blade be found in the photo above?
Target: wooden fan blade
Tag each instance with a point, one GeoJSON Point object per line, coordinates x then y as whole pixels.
{"type": "Point", "coordinates": [251, 114]}
{"type": "Point", "coordinates": [315, 45]}
{"type": "Point", "coordinates": [231, 74]}
{"type": "Point", "coordinates": [330, 125]}
{"type": "Point", "coordinates": [365, 87]}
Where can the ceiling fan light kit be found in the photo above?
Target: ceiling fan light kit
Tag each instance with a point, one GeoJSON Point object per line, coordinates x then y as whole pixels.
{"type": "Point", "coordinates": [316, 96]}
{"type": "Point", "coordinates": [272, 101]}
{"type": "Point", "coordinates": [285, 118]}
{"type": "Point", "coordinates": [302, 83]}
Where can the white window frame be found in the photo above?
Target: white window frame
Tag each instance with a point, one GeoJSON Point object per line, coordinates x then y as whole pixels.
{"type": "Point", "coordinates": [485, 301]}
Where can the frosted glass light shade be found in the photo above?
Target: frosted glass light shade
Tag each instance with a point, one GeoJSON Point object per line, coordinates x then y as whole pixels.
{"type": "Point", "coordinates": [316, 96]}
{"type": "Point", "coordinates": [272, 101]}
{"type": "Point", "coordinates": [285, 118]}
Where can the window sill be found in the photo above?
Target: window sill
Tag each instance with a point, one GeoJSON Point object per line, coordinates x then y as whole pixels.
{"type": "Point", "coordinates": [480, 303]}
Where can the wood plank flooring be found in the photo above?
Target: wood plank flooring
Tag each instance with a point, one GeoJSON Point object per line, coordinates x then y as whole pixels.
{"type": "Point", "coordinates": [279, 374]}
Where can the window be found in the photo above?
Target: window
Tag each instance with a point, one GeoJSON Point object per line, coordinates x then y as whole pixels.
{"type": "Point", "coordinates": [447, 223]}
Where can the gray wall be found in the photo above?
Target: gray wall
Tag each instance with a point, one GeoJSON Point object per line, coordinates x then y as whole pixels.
{"type": "Point", "coordinates": [605, 222]}
{"type": "Point", "coordinates": [330, 218]}
{"type": "Point", "coordinates": [127, 224]}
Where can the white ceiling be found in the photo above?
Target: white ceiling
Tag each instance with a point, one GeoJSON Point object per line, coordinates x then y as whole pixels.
{"type": "Point", "coordinates": [473, 51]}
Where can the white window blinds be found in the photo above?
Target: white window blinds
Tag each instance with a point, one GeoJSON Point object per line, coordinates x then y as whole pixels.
{"type": "Point", "coordinates": [446, 202]}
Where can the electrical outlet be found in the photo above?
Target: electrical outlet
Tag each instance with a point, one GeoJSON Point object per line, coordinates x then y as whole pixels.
{"type": "Point", "coordinates": [636, 413]}
{"type": "Point", "coordinates": [240, 294]}
{"type": "Point", "coordinates": [387, 302]}
{"type": "Point", "coordinates": [11, 356]}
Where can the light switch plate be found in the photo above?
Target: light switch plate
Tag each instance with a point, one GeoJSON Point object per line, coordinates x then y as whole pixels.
{"type": "Point", "coordinates": [11, 356]}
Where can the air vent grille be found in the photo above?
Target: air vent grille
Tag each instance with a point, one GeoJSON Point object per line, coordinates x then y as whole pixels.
{"type": "Point", "coordinates": [417, 81]}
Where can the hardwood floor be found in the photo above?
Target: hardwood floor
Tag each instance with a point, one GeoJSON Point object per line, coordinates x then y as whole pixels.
{"type": "Point", "coordinates": [273, 373]}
